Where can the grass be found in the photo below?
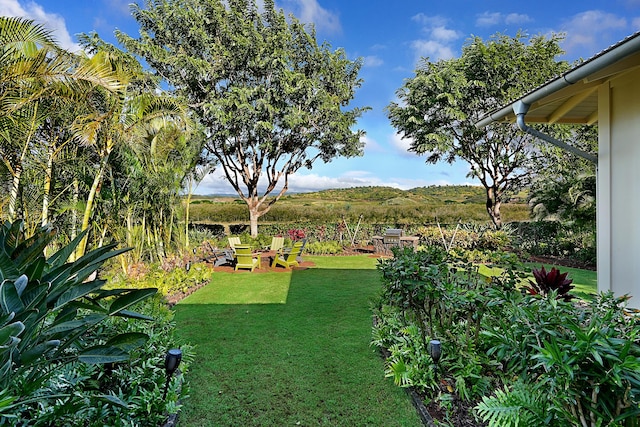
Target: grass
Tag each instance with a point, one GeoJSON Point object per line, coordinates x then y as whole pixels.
{"type": "Point", "coordinates": [287, 349]}
{"type": "Point", "coordinates": [585, 281]}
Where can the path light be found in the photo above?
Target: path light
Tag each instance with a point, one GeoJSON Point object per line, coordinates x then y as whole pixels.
{"type": "Point", "coordinates": [171, 363]}
{"type": "Point", "coordinates": [435, 350]}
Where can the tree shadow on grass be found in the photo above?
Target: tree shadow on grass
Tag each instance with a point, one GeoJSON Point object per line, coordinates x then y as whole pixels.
{"type": "Point", "coordinates": [304, 361]}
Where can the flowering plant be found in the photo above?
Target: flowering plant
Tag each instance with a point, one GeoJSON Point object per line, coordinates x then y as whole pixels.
{"type": "Point", "coordinates": [296, 234]}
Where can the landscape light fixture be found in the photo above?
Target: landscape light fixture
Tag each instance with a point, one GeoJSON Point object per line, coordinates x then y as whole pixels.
{"type": "Point", "coordinates": [171, 363]}
{"type": "Point", "coordinates": [435, 350]}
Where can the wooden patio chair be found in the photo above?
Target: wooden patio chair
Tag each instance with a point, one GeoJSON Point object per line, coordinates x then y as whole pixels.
{"type": "Point", "coordinates": [233, 241]}
{"type": "Point", "coordinates": [288, 256]}
{"type": "Point", "coordinates": [277, 243]}
{"type": "Point", "coordinates": [245, 258]}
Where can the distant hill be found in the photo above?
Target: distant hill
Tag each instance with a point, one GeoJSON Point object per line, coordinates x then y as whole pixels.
{"type": "Point", "coordinates": [376, 204]}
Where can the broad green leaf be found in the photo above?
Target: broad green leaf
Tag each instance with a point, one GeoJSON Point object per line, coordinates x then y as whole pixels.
{"type": "Point", "coordinates": [8, 269]}
{"type": "Point", "coordinates": [34, 270]}
{"type": "Point", "coordinates": [113, 399]}
{"type": "Point", "coordinates": [78, 291]}
{"type": "Point", "coordinates": [60, 258]}
{"type": "Point", "coordinates": [101, 354]}
{"type": "Point", "coordinates": [36, 295]}
{"type": "Point", "coordinates": [11, 330]}
{"type": "Point", "coordinates": [96, 257]}
{"type": "Point", "coordinates": [31, 355]}
{"type": "Point", "coordinates": [66, 314]}
{"type": "Point", "coordinates": [128, 341]}
{"type": "Point", "coordinates": [21, 284]}
{"type": "Point", "coordinates": [71, 325]}
{"type": "Point", "coordinates": [9, 299]}
{"type": "Point", "coordinates": [133, 315]}
{"type": "Point", "coordinates": [29, 250]}
{"type": "Point", "coordinates": [130, 299]}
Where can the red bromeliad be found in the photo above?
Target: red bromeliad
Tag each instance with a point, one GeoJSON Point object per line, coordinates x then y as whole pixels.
{"type": "Point", "coordinates": [546, 282]}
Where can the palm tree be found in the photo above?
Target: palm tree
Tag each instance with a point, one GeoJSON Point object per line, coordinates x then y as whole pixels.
{"type": "Point", "coordinates": [120, 117]}
{"type": "Point", "coordinates": [34, 69]}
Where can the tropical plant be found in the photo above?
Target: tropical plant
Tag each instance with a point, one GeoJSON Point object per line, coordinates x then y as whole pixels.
{"type": "Point", "coordinates": [137, 115]}
{"type": "Point", "coordinates": [49, 312]}
{"type": "Point", "coordinates": [34, 71]}
{"type": "Point", "coordinates": [522, 404]}
{"type": "Point", "coordinates": [552, 281]}
{"type": "Point", "coordinates": [270, 98]}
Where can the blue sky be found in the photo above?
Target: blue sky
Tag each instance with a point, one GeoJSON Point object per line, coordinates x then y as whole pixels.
{"type": "Point", "coordinates": [390, 36]}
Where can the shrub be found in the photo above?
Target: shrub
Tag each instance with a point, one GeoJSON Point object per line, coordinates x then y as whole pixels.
{"type": "Point", "coordinates": [52, 317]}
{"type": "Point", "coordinates": [586, 358]}
{"type": "Point", "coordinates": [424, 297]}
{"type": "Point", "coordinates": [330, 247]}
{"type": "Point", "coordinates": [550, 282]}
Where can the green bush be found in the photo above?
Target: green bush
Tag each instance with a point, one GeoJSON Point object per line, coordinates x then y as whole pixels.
{"type": "Point", "coordinates": [427, 295]}
{"type": "Point", "coordinates": [168, 279]}
{"type": "Point", "coordinates": [586, 358]}
{"type": "Point", "coordinates": [330, 247]}
{"type": "Point", "coordinates": [532, 359]}
{"type": "Point", "coordinates": [54, 332]}
{"type": "Point", "coordinates": [465, 237]}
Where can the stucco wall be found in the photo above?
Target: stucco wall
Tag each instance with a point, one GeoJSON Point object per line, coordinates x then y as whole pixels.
{"type": "Point", "coordinates": [618, 187]}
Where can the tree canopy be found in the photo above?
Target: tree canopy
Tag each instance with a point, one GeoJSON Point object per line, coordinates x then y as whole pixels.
{"type": "Point", "coordinates": [440, 105]}
{"type": "Point", "coordinates": [271, 99]}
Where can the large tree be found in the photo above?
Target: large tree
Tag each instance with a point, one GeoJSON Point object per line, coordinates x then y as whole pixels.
{"type": "Point", "coordinates": [439, 106]}
{"type": "Point", "coordinates": [270, 98]}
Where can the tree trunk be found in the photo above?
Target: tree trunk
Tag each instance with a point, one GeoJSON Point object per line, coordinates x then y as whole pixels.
{"type": "Point", "coordinates": [254, 214]}
{"type": "Point", "coordinates": [88, 210]}
{"type": "Point", "coordinates": [493, 207]}
{"type": "Point", "coordinates": [48, 177]}
{"type": "Point", "coordinates": [186, 214]}
{"type": "Point", "coordinates": [13, 197]}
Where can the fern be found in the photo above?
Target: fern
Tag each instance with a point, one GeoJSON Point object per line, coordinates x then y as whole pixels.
{"type": "Point", "coordinates": [523, 405]}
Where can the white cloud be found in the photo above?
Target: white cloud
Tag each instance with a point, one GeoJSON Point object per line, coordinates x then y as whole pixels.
{"type": "Point", "coordinates": [309, 11]}
{"type": "Point", "coordinates": [373, 61]}
{"type": "Point", "coordinates": [516, 18]}
{"type": "Point", "coordinates": [586, 30]}
{"type": "Point", "coordinates": [401, 145]}
{"type": "Point", "coordinates": [439, 42]}
{"type": "Point", "coordinates": [371, 145]}
{"type": "Point", "coordinates": [432, 49]}
{"type": "Point", "coordinates": [51, 21]}
{"type": "Point", "coordinates": [490, 19]}
{"type": "Point", "coordinates": [444, 34]}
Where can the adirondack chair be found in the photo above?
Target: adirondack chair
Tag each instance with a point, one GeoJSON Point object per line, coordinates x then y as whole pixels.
{"type": "Point", "coordinates": [233, 241]}
{"type": "Point", "coordinates": [288, 256]}
{"type": "Point", "coordinates": [245, 258]}
{"type": "Point", "coordinates": [218, 256]}
{"type": "Point", "coordinates": [277, 243]}
{"type": "Point", "coordinates": [304, 243]}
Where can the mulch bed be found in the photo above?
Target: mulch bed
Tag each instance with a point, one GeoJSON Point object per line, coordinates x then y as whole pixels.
{"type": "Point", "coordinates": [565, 262]}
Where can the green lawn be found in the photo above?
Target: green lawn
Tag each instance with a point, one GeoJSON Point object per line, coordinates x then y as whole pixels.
{"type": "Point", "coordinates": [585, 281]}
{"type": "Point", "coordinates": [287, 349]}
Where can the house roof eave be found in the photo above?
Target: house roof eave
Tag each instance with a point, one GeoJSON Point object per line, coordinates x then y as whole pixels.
{"type": "Point", "coordinates": [597, 63]}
